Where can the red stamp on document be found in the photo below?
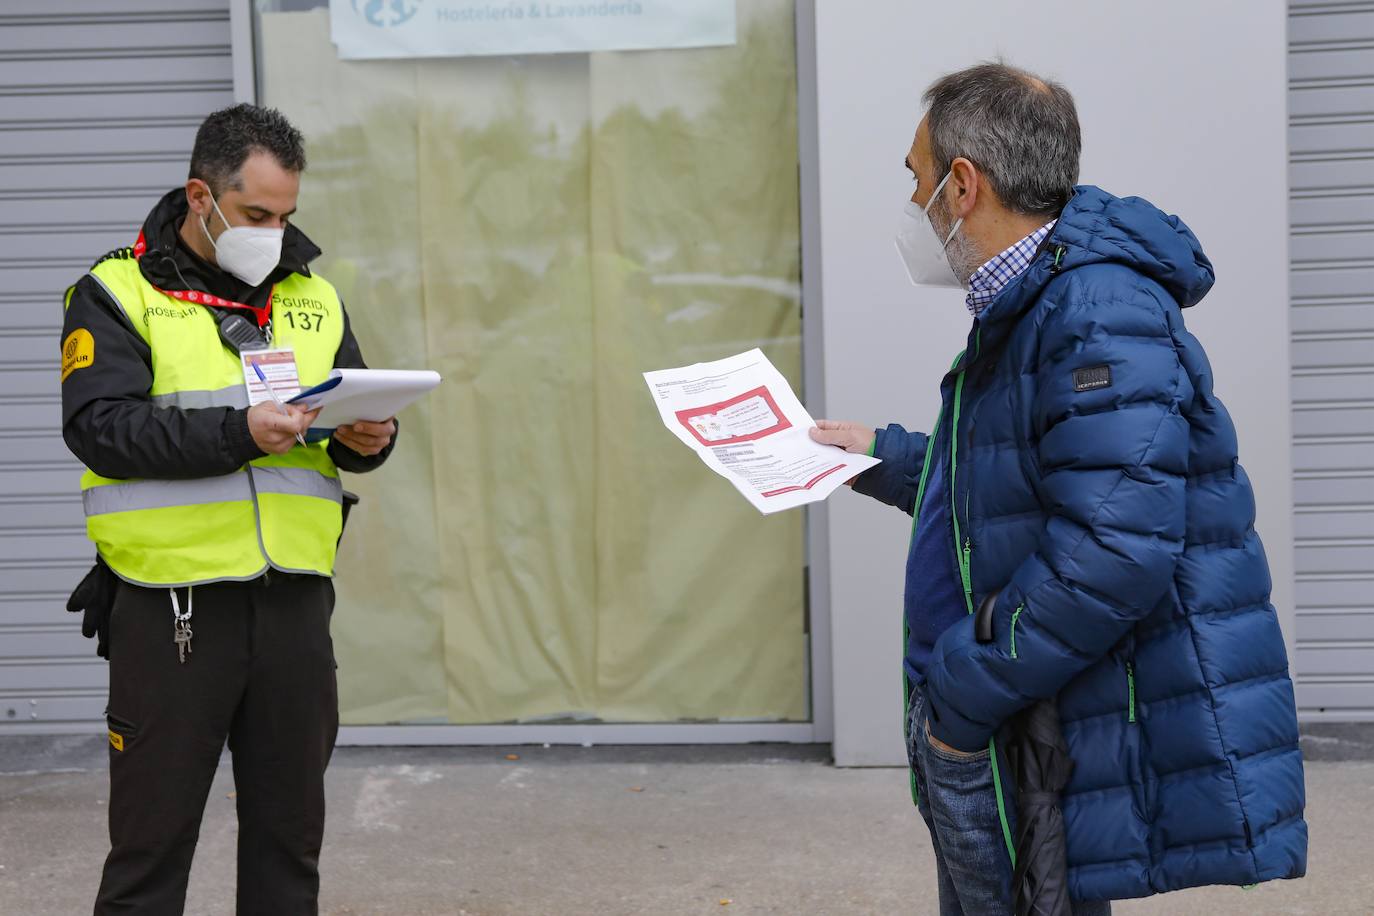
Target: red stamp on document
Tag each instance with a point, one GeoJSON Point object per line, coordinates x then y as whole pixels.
{"type": "Point", "coordinates": [745, 418]}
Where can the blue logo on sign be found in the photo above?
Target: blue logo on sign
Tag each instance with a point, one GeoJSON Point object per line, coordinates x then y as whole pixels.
{"type": "Point", "coordinates": [385, 13]}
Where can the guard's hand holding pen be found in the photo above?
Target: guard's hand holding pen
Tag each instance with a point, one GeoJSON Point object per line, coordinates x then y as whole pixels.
{"type": "Point", "coordinates": [275, 432]}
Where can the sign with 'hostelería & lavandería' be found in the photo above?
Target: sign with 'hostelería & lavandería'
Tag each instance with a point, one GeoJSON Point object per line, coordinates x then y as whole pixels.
{"type": "Point", "coordinates": [371, 29]}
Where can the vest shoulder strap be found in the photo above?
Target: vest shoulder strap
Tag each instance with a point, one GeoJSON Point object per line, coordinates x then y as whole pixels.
{"type": "Point", "coordinates": [122, 281]}
{"type": "Point", "coordinates": [123, 254]}
{"type": "Point", "coordinates": [313, 283]}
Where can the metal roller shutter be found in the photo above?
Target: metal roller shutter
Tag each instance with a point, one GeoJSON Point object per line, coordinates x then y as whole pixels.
{"type": "Point", "coordinates": [99, 104]}
{"type": "Point", "coordinates": [1331, 169]}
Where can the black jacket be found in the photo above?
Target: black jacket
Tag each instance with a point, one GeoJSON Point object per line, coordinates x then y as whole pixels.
{"type": "Point", "coordinates": [108, 419]}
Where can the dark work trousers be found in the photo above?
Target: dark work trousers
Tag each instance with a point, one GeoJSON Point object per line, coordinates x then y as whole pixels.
{"type": "Point", "coordinates": [261, 676]}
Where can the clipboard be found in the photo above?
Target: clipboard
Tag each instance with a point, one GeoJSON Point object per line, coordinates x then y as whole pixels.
{"type": "Point", "coordinates": [353, 395]}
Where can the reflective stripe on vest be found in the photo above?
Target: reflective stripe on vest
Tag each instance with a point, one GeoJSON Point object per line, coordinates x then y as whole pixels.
{"type": "Point", "coordinates": [298, 482]}
{"type": "Point", "coordinates": [279, 511]}
{"type": "Point", "coordinates": [235, 396]}
{"type": "Point", "coordinates": [163, 494]}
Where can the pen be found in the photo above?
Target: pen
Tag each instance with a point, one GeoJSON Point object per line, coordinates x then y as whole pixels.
{"type": "Point", "coordinates": [275, 400]}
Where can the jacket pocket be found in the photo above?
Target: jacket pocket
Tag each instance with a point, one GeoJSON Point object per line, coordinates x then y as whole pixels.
{"type": "Point", "coordinates": [947, 752]}
{"type": "Point", "coordinates": [122, 732]}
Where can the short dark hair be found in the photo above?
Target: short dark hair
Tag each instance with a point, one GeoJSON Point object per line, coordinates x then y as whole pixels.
{"type": "Point", "coordinates": [1020, 130]}
{"type": "Point", "coordinates": [227, 138]}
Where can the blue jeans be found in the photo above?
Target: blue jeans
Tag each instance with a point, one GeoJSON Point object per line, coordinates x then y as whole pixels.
{"type": "Point", "coordinates": [957, 799]}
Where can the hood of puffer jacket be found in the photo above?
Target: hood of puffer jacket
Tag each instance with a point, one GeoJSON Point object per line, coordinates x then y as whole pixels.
{"type": "Point", "coordinates": [1100, 228]}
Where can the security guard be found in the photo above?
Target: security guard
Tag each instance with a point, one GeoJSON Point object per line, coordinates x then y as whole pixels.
{"type": "Point", "coordinates": [216, 528]}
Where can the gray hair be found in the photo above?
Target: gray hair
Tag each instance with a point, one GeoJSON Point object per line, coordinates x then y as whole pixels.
{"type": "Point", "coordinates": [1021, 132]}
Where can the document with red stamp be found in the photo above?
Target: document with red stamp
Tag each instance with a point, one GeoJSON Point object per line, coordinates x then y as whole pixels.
{"type": "Point", "coordinates": [741, 416]}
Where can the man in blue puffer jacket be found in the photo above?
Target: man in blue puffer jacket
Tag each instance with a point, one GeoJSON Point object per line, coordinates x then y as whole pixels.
{"type": "Point", "coordinates": [1083, 531]}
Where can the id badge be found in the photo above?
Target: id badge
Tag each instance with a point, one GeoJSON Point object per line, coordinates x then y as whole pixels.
{"type": "Point", "coordinates": [276, 368]}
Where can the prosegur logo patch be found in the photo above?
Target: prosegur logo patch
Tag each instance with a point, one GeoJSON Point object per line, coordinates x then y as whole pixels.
{"type": "Point", "coordinates": [78, 351]}
{"type": "Point", "coordinates": [386, 13]}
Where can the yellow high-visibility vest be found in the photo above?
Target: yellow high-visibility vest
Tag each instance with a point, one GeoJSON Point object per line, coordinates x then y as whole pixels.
{"type": "Point", "coordinates": [280, 512]}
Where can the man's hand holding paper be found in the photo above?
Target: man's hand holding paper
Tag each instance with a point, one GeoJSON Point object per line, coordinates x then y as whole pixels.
{"type": "Point", "coordinates": [742, 418]}
{"type": "Point", "coordinates": [855, 438]}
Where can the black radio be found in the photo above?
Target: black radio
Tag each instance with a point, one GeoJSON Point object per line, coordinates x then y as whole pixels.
{"type": "Point", "coordinates": [238, 333]}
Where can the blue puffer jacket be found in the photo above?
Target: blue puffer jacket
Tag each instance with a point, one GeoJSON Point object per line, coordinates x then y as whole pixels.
{"type": "Point", "coordinates": [1109, 551]}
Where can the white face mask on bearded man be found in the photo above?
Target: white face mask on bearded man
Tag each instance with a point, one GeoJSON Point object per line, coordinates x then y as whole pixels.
{"type": "Point", "coordinates": [929, 260]}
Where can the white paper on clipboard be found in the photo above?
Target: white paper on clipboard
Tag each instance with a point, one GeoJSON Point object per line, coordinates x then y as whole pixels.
{"type": "Point", "coordinates": [351, 395]}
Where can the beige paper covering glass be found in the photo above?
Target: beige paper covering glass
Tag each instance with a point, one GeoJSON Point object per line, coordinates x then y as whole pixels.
{"type": "Point", "coordinates": [541, 230]}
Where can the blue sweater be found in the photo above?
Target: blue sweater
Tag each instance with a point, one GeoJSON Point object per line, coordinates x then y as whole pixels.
{"type": "Point", "coordinates": [934, 593]}
{"type": "Point", "coordinates": [1107, 528]}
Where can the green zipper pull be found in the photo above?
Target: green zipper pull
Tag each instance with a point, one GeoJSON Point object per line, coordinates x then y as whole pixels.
{"type": "Point", "coordinates": [1015, 615]}
{"type": "Point", "coordinates": [967, 571]}
{"type": "Point", "coordinates": [1130, 689]}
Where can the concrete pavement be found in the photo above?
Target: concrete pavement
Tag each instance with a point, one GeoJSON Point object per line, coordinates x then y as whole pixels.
{"type": "Point", "coordinates": [564, 832]}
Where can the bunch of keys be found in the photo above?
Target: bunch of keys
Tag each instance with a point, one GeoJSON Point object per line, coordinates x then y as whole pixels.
{"type": "Point", "coordinates": [181, 625]}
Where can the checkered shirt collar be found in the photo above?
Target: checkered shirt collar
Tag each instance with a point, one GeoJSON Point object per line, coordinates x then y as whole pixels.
{"type": "Point", "coordinates": [993, 277]}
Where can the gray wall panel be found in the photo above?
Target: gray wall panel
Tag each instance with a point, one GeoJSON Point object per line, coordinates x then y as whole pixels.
{"type": "Point", "coordinates": [1334, 455]}
{"type": "Point", "coordinates": [46, 279]}
{"type": "Point", "coordinates": [52, 580]}
{"type": "Point", "coordinates": [61, 12]}
{"type": "Point", "coordinates": [1348, 522]}
{"type": "Point", "coordinates": [1342, 242]}
{"type": "Point", "coordinates": [174, 66]}
{"type": "Point", "coordinates": [1330, 170]}
{"type": "Point", "coordinates": [1321, 280]}
{"type": "Point", "coordinates": [1312, 26]}
{"type": "Point", "coordinates": [31, 448]}
{"type": "Point", "coordinates": [1341, 699]}
{"type": "Point", "coordinates": [1351, 384]}
{"type": "Point", "coordinates": [120, 213]}
{"type": "Point", "coordinates": [1347, 317]}
{"type": "Point", "coordinates": [50, 481]}
{"type": "Point", "coordinates": [1313, 487]}
{"type": "Point", "coordinates": [134, 100]}
{"type": "Point", "coordinates": [26, 414]}
{"type": "Point", "coordinates": [110, 170]}
{"type": "Point", "coordinates": [1348, 350]}
{"type": "Point", "coordinates": [1324, 208]}
{"type": "Point", "coordinates": [45, 640]}
{"type": "Point", "coordinates": [1339, 626]}
{"type": "Point", "coordinates": [38, 543]}
{"type": "Point", "coordinates": [79, 707]}
{"type": "Point", "coordinates": [1325, 420]}
{"type": "Point", "coordinates": [1334, 556]}
{"type": "Point", "coordinates": [81, 37]}
{"type": "Point", "coordinates": [119, 139]}
{"type": "Point", "coordinates": [99, 104]}
{"type": "Point", "coordinates": [1337, 657]}
{"type": "Point", "coordinates": [1335, 98]}
{"type": "Point", "coordinates": [1331, 206]}
{"type": "Point", "coordinates": [39, 675]}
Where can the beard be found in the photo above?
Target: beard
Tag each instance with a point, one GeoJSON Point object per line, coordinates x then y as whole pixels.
{"type": "Point", "coordinates": [964, 257]}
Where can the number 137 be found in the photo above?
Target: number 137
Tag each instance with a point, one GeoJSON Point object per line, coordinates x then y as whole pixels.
{"type": "Point", "coordinates": [304, 321]}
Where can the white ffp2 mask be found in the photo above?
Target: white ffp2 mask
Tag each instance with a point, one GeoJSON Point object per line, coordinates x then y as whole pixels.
{"type": "Point", "coordinates": [921, 249]}
{"type": "Point", "coordinates": [248, 252]}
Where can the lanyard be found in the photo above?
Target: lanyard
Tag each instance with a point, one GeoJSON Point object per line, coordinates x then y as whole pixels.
{"type": "Point", "coordinates": [262, 315]}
